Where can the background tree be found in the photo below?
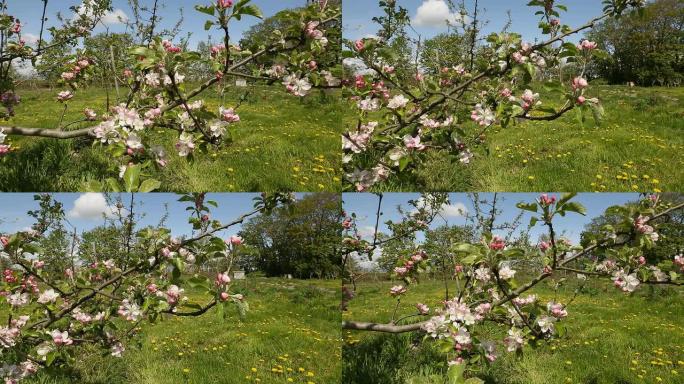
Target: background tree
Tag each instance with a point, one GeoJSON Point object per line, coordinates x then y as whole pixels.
{"type": "Point", "coordinates": [645, 47]}
{"type": "Point", "coordinates": [393, 250]}
{"type": "Point", "coordinates": [671, 234]}
{"type": "Point", "coordinates": [110, 51]}
{"type": "Point", "coordinates": [445, 50]}
{"type": "Point", "coordinates": [51, 64]}
{"type": "Point", "coordinates": [300, 239]}
{"type": "Point", "coordinates": [270, 29]}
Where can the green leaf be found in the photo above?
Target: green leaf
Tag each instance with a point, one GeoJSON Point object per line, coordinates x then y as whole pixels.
{"type": "Point", "coordinates": [565, 198]}
{"type": "Point", "coordinates": [404, 162]}
{"type": "Point", "coordinates": [113, 185]}
{"type": "Point", "coordinates": [149, 185]}
{"type": "Point", "coordinates": [208, 24]}
{"type": "Point", "coordinates": [455, 374]}
{"type": "Point", "coordinates": [208, 9]}
{"type": "Point", "coordinates": [252, 10]}
{"type": "Point", "coordinates": [93, 186]}
{"type": "Point", "coordinates": [131, 178]}
{"type": "Point", "coordinates": [532, 207]}
{"type": "Point", "coordinates": [533, 221]}
{"type": "Point", "coordinates": [474, 380]}
{"type": "Point", "coordinates": [50, 358]}
{"type": "Point", "coordinates": [575, 207]}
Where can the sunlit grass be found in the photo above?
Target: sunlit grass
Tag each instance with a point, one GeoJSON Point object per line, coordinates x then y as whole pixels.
{"type": "Point", "coordinates": [612, 338]}
{"type": "Point", "coordinates": [282, 143]}
{"type": "Point", "coordinates": [290, 335]}
{"type": "Point", "coordinates": [638, 147]}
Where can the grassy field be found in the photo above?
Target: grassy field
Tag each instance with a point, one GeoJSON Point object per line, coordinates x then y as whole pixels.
{"type": "Point", "coordinates": [612, 339]}
{"type": "Point", "coordinates": [290, 335]}
{"type": "Point", "coordinates": [282, 143]}
{"type": "Point", "coordinates": [639, 147]}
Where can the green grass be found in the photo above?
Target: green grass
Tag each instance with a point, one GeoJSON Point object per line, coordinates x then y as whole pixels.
{"type": "Point", "coordinates": [612, 339]}
{"type": "Point", "coordinates": [291, 325]}
{"type": "Point", "coordinates": [641, 139]}
{"type": "Point", "coordinates": [282, 143]}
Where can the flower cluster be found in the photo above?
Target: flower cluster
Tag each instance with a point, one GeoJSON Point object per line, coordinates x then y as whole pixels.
{"type": "Point", "coordinates": [497, 91]}
{"type": "Point", "coordinates": [87, 302]}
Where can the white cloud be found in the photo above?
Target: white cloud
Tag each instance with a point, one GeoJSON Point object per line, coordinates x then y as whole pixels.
{"type": "Point", "coordinates": [435, 13]}
{"type": "Point", "coordinates": [448, 210]}
{"type": "Point", "coordinates": [91, 206]}
{"type": "Point", "coordinates": [367, 231]}
{"type": "Point", "coordinates": [454, 210]}
{"type": "Point", "coordinates": [24, 68]}
{"type": "Point", "coordinates": [29, 38]}
{"type": "Point", "coordinates": [357, 67]}
{"type": "Point", "coordinates": [117, 16]}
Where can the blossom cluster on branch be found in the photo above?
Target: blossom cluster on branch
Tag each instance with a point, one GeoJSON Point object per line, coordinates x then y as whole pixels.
{"type": "Point", "coordinates": [51, 311]}
{"type": "Point", "coordinates": [159, 97]}
{"type": "Point", "coordinates": [403, 116]}
{"type": "Point", "coordinates": [490, 289]}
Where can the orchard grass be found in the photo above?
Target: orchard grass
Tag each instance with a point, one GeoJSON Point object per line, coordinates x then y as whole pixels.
{"type": "Point", "coordinates": [638, 147]}
{"type": "Point", "coordinates": [282, 143]}
{"type": "Point", "coordinates": [612, 338]}
{"type": "Point", "coordinates": [292, 331]}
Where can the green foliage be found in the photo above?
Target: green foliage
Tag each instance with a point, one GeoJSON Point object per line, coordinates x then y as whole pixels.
{"type": "Point", "coordinates": [645, 47]}
{"type": "Point", "coordinates": [445, 50]}
{"type": "Point", "coordinates": [300, 239]}
{"type": "Point", "coordinates": [291, 145]}
{"type": "Point", "coordinates": [593, 357]}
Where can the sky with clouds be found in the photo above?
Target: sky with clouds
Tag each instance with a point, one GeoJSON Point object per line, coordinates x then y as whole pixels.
{"type": "Point", "coordinates": [28, 11]}
{"type": "Point", "coordinates": [85, 210]}
{"type": "Point", "coordinates": [570, 226]}
{"type": "Point", "coordinates": [428, 16]}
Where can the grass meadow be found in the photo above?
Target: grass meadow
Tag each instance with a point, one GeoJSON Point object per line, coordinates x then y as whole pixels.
{"type": "Point", "coordinates": [290, 335]}
{"type": "Point", "coordinates": [612, 338]}
{"type": "Point", "coordinates": [282, 143]}
{"type": "Point", "coordinates": [638, 147]}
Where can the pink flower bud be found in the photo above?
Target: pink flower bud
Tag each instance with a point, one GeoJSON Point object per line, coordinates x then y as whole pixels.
{"type": "Point", "coordinates": [497, 243]}
{"type": "Point", "coordinates": [224, 296]}
{"type": "Point", "coordinates": [224, 3]}
{"type": "Point", "coordinates": [235, 240]}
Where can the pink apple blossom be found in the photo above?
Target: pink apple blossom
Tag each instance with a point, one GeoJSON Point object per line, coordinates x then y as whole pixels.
{"type": "Point", "coordinates": [422, 308]}
{"type": "Point", "coordinates": [497, 243]}
{"type": "Point", "coordinates": [397, 290]}
{"type": "Point", "coordinates": [61, 338]}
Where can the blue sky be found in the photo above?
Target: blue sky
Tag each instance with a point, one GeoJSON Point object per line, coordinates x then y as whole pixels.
{"type": "Point", "coordinates": [13, 215]}
{"type": "Point", "coordinates": [28, 11]}
{"type": "Point", "coordinates": [571, 226]}
{"type": "Point", "coordinates": [357, 16]}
